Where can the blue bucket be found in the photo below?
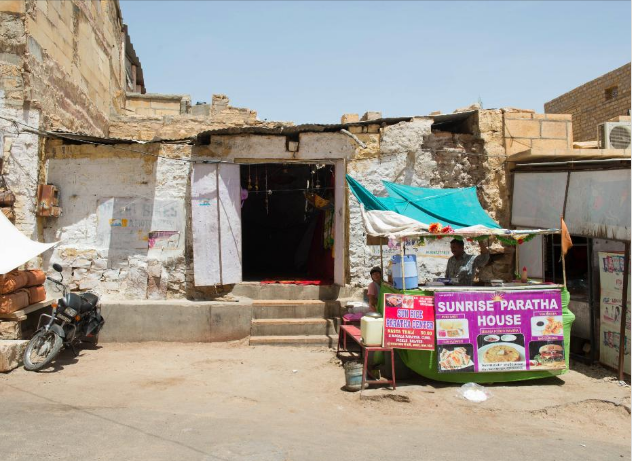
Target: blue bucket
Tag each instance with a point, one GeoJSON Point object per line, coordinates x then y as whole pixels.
{"type": "Point", "coordinates": [410, 271]}
{"type": "Point", "coordinates": [353, 376]}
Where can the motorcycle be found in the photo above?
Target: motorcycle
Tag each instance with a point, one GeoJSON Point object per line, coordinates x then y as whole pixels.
{"type": "Point", "coordinates": [76, 318]}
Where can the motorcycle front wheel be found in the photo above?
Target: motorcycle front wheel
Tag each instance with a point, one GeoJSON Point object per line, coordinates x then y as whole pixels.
{"type": "Point", "coordinates": [41, 350]}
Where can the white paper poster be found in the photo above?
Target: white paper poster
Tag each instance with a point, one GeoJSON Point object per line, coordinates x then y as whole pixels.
{"type": "Point", "coordinates": [611, 295]}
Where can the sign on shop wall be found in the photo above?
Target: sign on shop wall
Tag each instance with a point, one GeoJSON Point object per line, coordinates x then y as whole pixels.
{"type": "Point", "coordinates": [409, 322]}
{"type": "Point", "coordinates": [499, 331]}
{"type": "Point", "coordinates": [611, 294]}
{"type": "Point", "coordinates": [125, 223]}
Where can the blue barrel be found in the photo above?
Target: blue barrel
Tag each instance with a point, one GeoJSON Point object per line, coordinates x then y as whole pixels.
{"type": "Point", "coordinates": [410, 271]}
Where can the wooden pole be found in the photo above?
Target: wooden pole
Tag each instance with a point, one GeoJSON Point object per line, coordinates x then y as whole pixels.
{"type": "Point", "coordinates": [381, 257]}
{"type": "Point", "coordinates": [624, 308]}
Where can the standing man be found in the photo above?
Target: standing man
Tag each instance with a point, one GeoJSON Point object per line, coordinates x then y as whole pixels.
{"type": "Point", "coordinates": [462, 266]}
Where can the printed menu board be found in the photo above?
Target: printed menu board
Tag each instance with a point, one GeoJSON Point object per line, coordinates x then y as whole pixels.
{"type": "Point", "coordinates": [409, 322]}
{"type": "Point", "coordinates": [611, 267]}
{"type": "Point", "coordinates": [499, 331]}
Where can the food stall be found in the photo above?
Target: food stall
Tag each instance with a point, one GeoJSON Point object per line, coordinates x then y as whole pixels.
{"type": "Point", "coordinates": [511, 331]}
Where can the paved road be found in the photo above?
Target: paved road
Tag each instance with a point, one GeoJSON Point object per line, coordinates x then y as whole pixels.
{"type": "Point", "coordinates": [232, 402]}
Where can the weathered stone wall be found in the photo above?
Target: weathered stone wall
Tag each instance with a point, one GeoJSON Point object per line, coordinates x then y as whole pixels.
{"type": "Point", "coordinates": [20, 163]}
{"type": "Point", "coordinates": [411, 153]}
{"type": "Point", "coordinates": [93, 254]}
{"type": "Point", "coordinates": [407, 152]}
{"type": "Point", "coordinates": [73, 64]}
{"type": "Point", "coordinates": [143, 126]}
{"type": "Point", "coordinates": [594, 102]}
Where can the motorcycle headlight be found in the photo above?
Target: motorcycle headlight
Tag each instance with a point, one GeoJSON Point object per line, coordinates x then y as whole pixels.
{"type": "Point", "coordinates": [70, 311]}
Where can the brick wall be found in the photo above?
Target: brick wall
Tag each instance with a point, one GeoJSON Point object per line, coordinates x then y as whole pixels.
{"type": "Point", "coordinates": [537, 132]}
{"type": "Point", "coordinates": [590, 104]}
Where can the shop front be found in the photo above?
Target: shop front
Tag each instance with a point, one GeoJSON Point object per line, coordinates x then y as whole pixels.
{"type": "Point", "coordinates": [594, 198]}
{"type": "Point", "coordinates": [456, 331]}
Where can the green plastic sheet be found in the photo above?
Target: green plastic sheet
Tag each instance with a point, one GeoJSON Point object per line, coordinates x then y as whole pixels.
{"type": "Point", "coordinates": [424, 363]}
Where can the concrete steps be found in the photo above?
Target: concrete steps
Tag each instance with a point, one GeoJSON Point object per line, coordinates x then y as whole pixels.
{"type": "Point", "coordinates": [293, 327]}
{"type": "Point", "coordinates": [291, 322]}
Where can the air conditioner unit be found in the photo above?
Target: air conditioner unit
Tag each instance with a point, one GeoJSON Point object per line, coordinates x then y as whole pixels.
{"type": "Point", "coordinates": [614, 135]}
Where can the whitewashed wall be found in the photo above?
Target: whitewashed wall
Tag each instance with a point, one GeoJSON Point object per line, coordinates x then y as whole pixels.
{"type": "Point", "coordinates": [98, 251]}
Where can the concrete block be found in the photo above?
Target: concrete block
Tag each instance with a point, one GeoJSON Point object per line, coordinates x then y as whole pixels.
{"type": "Point", "coordinates": [522, 128]}
{"type": "Point", "coordinates": [356, 129]}
{"type": "Point", "coordinates": [513, 146]}
{"type": "Point", "coordinates": [518, 115]}
{"type": "Point", "coordinates": [100, 264]}
{"type": "Point", "coordinates": [111, 274]}
{"type": "Point", "coordinates": [371, 115]}
{"type": "Point", "coordinates": [177, 321]}
{"type": "Point", "coordinates": [10, 330]}
{"type": "Point", "coordinates": [549, 145]}
{"type": "Point", "coordinates": [12, 6]}
{"type": "Point", "coordinates": [230, 322]}
{"type": "Point", "coordinates": [292, 146]}
{"type": "Point", "coordinates": [349, 118]}
{"type": "Point", "coordinates": [154, 268]}
{"type": "Point", "coordinates": [11, 352]}
{"type": "Point", "coordinates": [554, 130]}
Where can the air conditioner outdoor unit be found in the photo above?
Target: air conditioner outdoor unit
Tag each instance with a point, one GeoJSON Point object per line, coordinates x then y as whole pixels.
{"type": "Point", "coordinates": [614, 135]}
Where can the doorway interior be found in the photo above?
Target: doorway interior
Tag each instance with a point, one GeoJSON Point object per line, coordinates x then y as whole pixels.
{"type": "Point", "coordinates": [288, 222]}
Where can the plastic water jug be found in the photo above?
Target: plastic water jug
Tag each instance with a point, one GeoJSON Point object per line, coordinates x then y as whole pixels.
{"type": "Point", "coordinates": [372, 328]}
{"type": "Point", "coordinates": [410, 272]}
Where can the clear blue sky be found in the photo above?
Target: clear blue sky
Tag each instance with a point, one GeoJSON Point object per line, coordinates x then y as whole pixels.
{"type": "Point", "coordinates": [314, 61]}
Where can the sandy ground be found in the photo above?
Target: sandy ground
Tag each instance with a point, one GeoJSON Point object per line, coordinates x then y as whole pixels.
{"type": "Point", "coordinates": [229, 401]}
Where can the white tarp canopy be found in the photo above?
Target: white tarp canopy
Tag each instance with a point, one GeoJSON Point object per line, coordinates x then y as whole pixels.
{"type": "Point", "coordinates": [16, 248]}
{"type": "Point", "coordinates": [389, 224]}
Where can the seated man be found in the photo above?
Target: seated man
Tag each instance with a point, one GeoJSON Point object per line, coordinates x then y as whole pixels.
{"type": "Point", "coordinates": [462, 266]}
{"type": "Point", "coordinates": [374, 287]}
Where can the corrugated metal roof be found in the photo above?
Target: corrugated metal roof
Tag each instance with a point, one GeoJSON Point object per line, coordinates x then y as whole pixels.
{"type": "Point", "coordinates": [288, 130]}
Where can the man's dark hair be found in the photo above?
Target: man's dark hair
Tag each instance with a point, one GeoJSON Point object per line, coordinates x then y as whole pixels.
{"type": "Point", "coordinates": [375, 269]}
{"type": "Point", "coordinates": [461, 243]}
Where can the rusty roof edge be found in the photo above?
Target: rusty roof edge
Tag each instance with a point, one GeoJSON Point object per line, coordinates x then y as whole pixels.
{"type": "Point", "coordinates": [204, 137]}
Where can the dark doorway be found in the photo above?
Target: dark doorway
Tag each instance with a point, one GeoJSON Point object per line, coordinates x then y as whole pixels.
{"type": "Point", "coordinates": [288, 222]}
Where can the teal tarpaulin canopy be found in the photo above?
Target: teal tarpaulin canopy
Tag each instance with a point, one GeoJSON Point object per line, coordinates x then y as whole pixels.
{"type": "Point", "coordinates": [457, 208]}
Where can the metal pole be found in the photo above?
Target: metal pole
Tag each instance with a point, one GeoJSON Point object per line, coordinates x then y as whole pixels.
{"type": "Point", "coordinates": [402, 252]}
{"type": "Point", "coordinates": [624, 308]}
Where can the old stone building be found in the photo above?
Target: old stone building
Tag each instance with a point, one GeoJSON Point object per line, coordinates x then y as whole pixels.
{"type": "Point", "coordinates": [152, 186]}
{"type": "Point", "coordinates": [162, 199]}
{"type": "Point", "coordinates": [125, 163]}
{"type": "Point", "coordinates": [600, 100]}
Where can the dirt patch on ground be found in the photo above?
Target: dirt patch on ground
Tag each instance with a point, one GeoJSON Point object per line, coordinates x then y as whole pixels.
{"type": "Point", "coordinates": [232, 401]}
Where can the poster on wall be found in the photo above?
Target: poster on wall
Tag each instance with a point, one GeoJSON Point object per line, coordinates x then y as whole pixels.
{"type": "Point", "coordinates": [611, 267]}
{"type": "Point", "coordinates": [409, 322]}
{"type": "Point", "coordinates": [487, 331]}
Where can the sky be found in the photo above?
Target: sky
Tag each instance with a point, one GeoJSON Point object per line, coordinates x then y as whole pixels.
{"type": "Point", "coordinates": [308, 62]}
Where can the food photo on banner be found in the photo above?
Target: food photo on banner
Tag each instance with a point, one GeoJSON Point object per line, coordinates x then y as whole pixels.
{"type": "Point", "coordinates": [409, 322]}
{"type": "Point", "coordinates": [499, 331]}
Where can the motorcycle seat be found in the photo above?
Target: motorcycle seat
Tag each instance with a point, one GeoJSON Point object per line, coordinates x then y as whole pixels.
{"type": "Point", "coordinates": [88, 302]}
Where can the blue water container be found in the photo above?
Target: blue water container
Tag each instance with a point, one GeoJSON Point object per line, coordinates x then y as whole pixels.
{"type": "Point", "coordinates": [410, 271]}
